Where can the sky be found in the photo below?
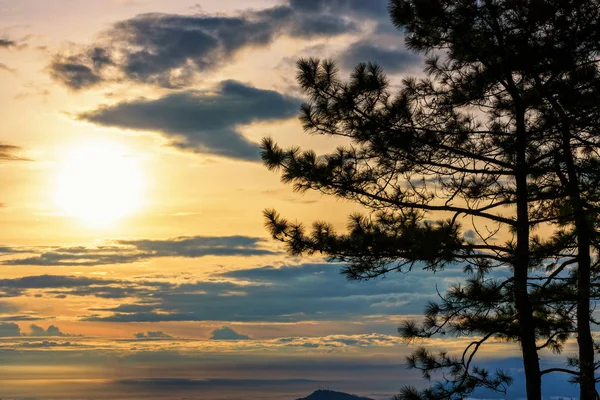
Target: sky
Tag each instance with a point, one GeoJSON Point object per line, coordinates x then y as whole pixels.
{"type": "Point", "coordinates": [134, 262]}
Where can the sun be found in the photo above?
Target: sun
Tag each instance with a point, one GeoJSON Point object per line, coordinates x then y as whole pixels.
{"type": "Point", "coordinates": [99, 183]}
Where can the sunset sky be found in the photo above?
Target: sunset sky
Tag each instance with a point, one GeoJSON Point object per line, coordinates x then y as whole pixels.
{"type": "Point", "coordinates": [134, 262]}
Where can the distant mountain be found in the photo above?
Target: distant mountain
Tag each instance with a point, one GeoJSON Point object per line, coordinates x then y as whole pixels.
{"type": "Point", "coordinates": [331, 395]}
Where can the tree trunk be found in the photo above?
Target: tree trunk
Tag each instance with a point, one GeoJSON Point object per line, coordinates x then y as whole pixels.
{"type": "Point", "coordinates": [521, 268]}
{"type": "Point", "coordinates": [585, 342]}
{"type": "Point", "coordinates": [587, 384]}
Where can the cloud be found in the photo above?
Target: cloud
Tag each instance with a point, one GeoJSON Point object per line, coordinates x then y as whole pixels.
{"type": "Point", "coordinates": [52, 330]}
{"type": "Point", "coordinates": [128, 308]}
{"type": "Point", "coordinates": [66, 285]}
{"type": "Point", "coordinates": [152, 335]}
{"type": "Point", "coordinates": [202, 121]}
{"type": "Point", "coordinates": [292, 293]}
{"type": "Point", "coordinates": [169, 50]}
{"type": "Point", "coordinates": [470, 234]}
{"type": "Point", "coordinates": [72, 69]}
{"type": "Point", "coordinates": [23, 317]}
{"type": "Point", "coordinates": [4, 67]}
{"type": "Point", "coordinates": [305, 292]}
{"type": "Point", "coordinates": [7, 43]}
{"type": "Point", "coordinates": [375, 9]}
{"type": "Point", "coordinates": [341, 341]}
{"type": "Point", "coordinates": [200, 246]}
{"type": "Point", "coordinates": [130, 251]}
{"type": "Point", "coordinates": [51, 281]}
{"type": "Point", "coordinates": [8, 152]}
{"type": "Point", "coordinates": [9, 329]}
{"type": "Point", "coordinates": [391, 59]}
{"type": "Point", "coordinates": [11, 44]}
{"type": "Point", "coordinates": [46, 344]}
{"type": "Point", "coordinates": [226, 333]}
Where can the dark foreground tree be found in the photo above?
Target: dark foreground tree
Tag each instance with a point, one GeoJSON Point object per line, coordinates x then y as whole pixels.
{"type": "Point", "coordinates": [409, 164]}
{"type": "Point", "coordinates": [569, 108]}
{"type": "Point", "coordinates": [480, 143]}
{"type": "Point", "coordinates": [550, 50]}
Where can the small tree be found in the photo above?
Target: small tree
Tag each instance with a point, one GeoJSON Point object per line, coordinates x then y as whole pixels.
{"type": "Point", "coordinates": [479, 140]}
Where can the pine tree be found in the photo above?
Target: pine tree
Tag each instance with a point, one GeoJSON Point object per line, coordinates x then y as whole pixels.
{"type": "Point", "coordinates": [551, 49]}
{"type": "Point", "coordinates": [569, 91]}
{"type": "Point", "coordinates": [492, 135]}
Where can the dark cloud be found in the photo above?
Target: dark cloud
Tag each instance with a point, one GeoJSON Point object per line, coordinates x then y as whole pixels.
{"type": "Point", "coordinates": [275, 294]}
{"type": "Point", "coordinates": [200, 246]}
{"type": "Point", "coordinates": [52, 330]}
{"type": "Point", "coordinates": [51, 281]}
{"type": "Point", "coordinates": [152, 335]}
{"type": "Point", "coordinates": [226, 333]}
{"type": "Point", "coordinates": [169, 49]}
{"type": "Point", "coordinates": [375, 9]}
{"type": "Point", "coordinates": [201, 121]}
{"type": "Point", "coordinates": [9, 152]}
{"type": "Point", "coordinates": [72, 70]}
{"type": "Point", "coordinates": [77, 286]}
{"type": "Point", "coordinates": [81, 70]}
{"type": "Point", "coordinates": [267, 294]}
{"type": "Point", "coordinates": [470, 234]}
{"type": "Point", "coordinates": [78, 256]}
{"type": "Point", "coordinates": [22, 317]}
{"type": "Point", "coordinates": [392, 60]}
{"type": "Point", "coordinates": [129, 251]}
{"type": "Point", "coordinates": [9, 329]}
{"type": "Point", "coordinates": [322, 25]}
{"type": "Point", "coordinates": [8, 250]}
{"type": "Point", "coordinates": [7, 43]}
{"type": "Point", "coordinates": [286, 294]}
{"type": "Point", "coordinates": [129, 308]}
{"type": "Point", "coordinates": [17, 286]}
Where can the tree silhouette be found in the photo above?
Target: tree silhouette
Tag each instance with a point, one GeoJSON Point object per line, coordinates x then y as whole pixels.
{"type": "Point", "coordinates": [500, 137]}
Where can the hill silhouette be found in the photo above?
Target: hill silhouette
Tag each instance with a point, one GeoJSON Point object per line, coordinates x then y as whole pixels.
{"type": "Point", "coordinates": [331, 395]}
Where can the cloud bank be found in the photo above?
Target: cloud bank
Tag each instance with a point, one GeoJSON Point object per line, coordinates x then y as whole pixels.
{"type": "Point", "coordinates": [130, 251]}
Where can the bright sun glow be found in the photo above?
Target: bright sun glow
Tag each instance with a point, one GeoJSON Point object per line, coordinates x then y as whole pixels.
{"type": "Point", "coordinates": [99, 183]}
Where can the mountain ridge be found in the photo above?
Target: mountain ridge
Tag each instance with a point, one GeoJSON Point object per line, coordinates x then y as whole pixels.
{"type": "Point", "coordinates": [332, 395]}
